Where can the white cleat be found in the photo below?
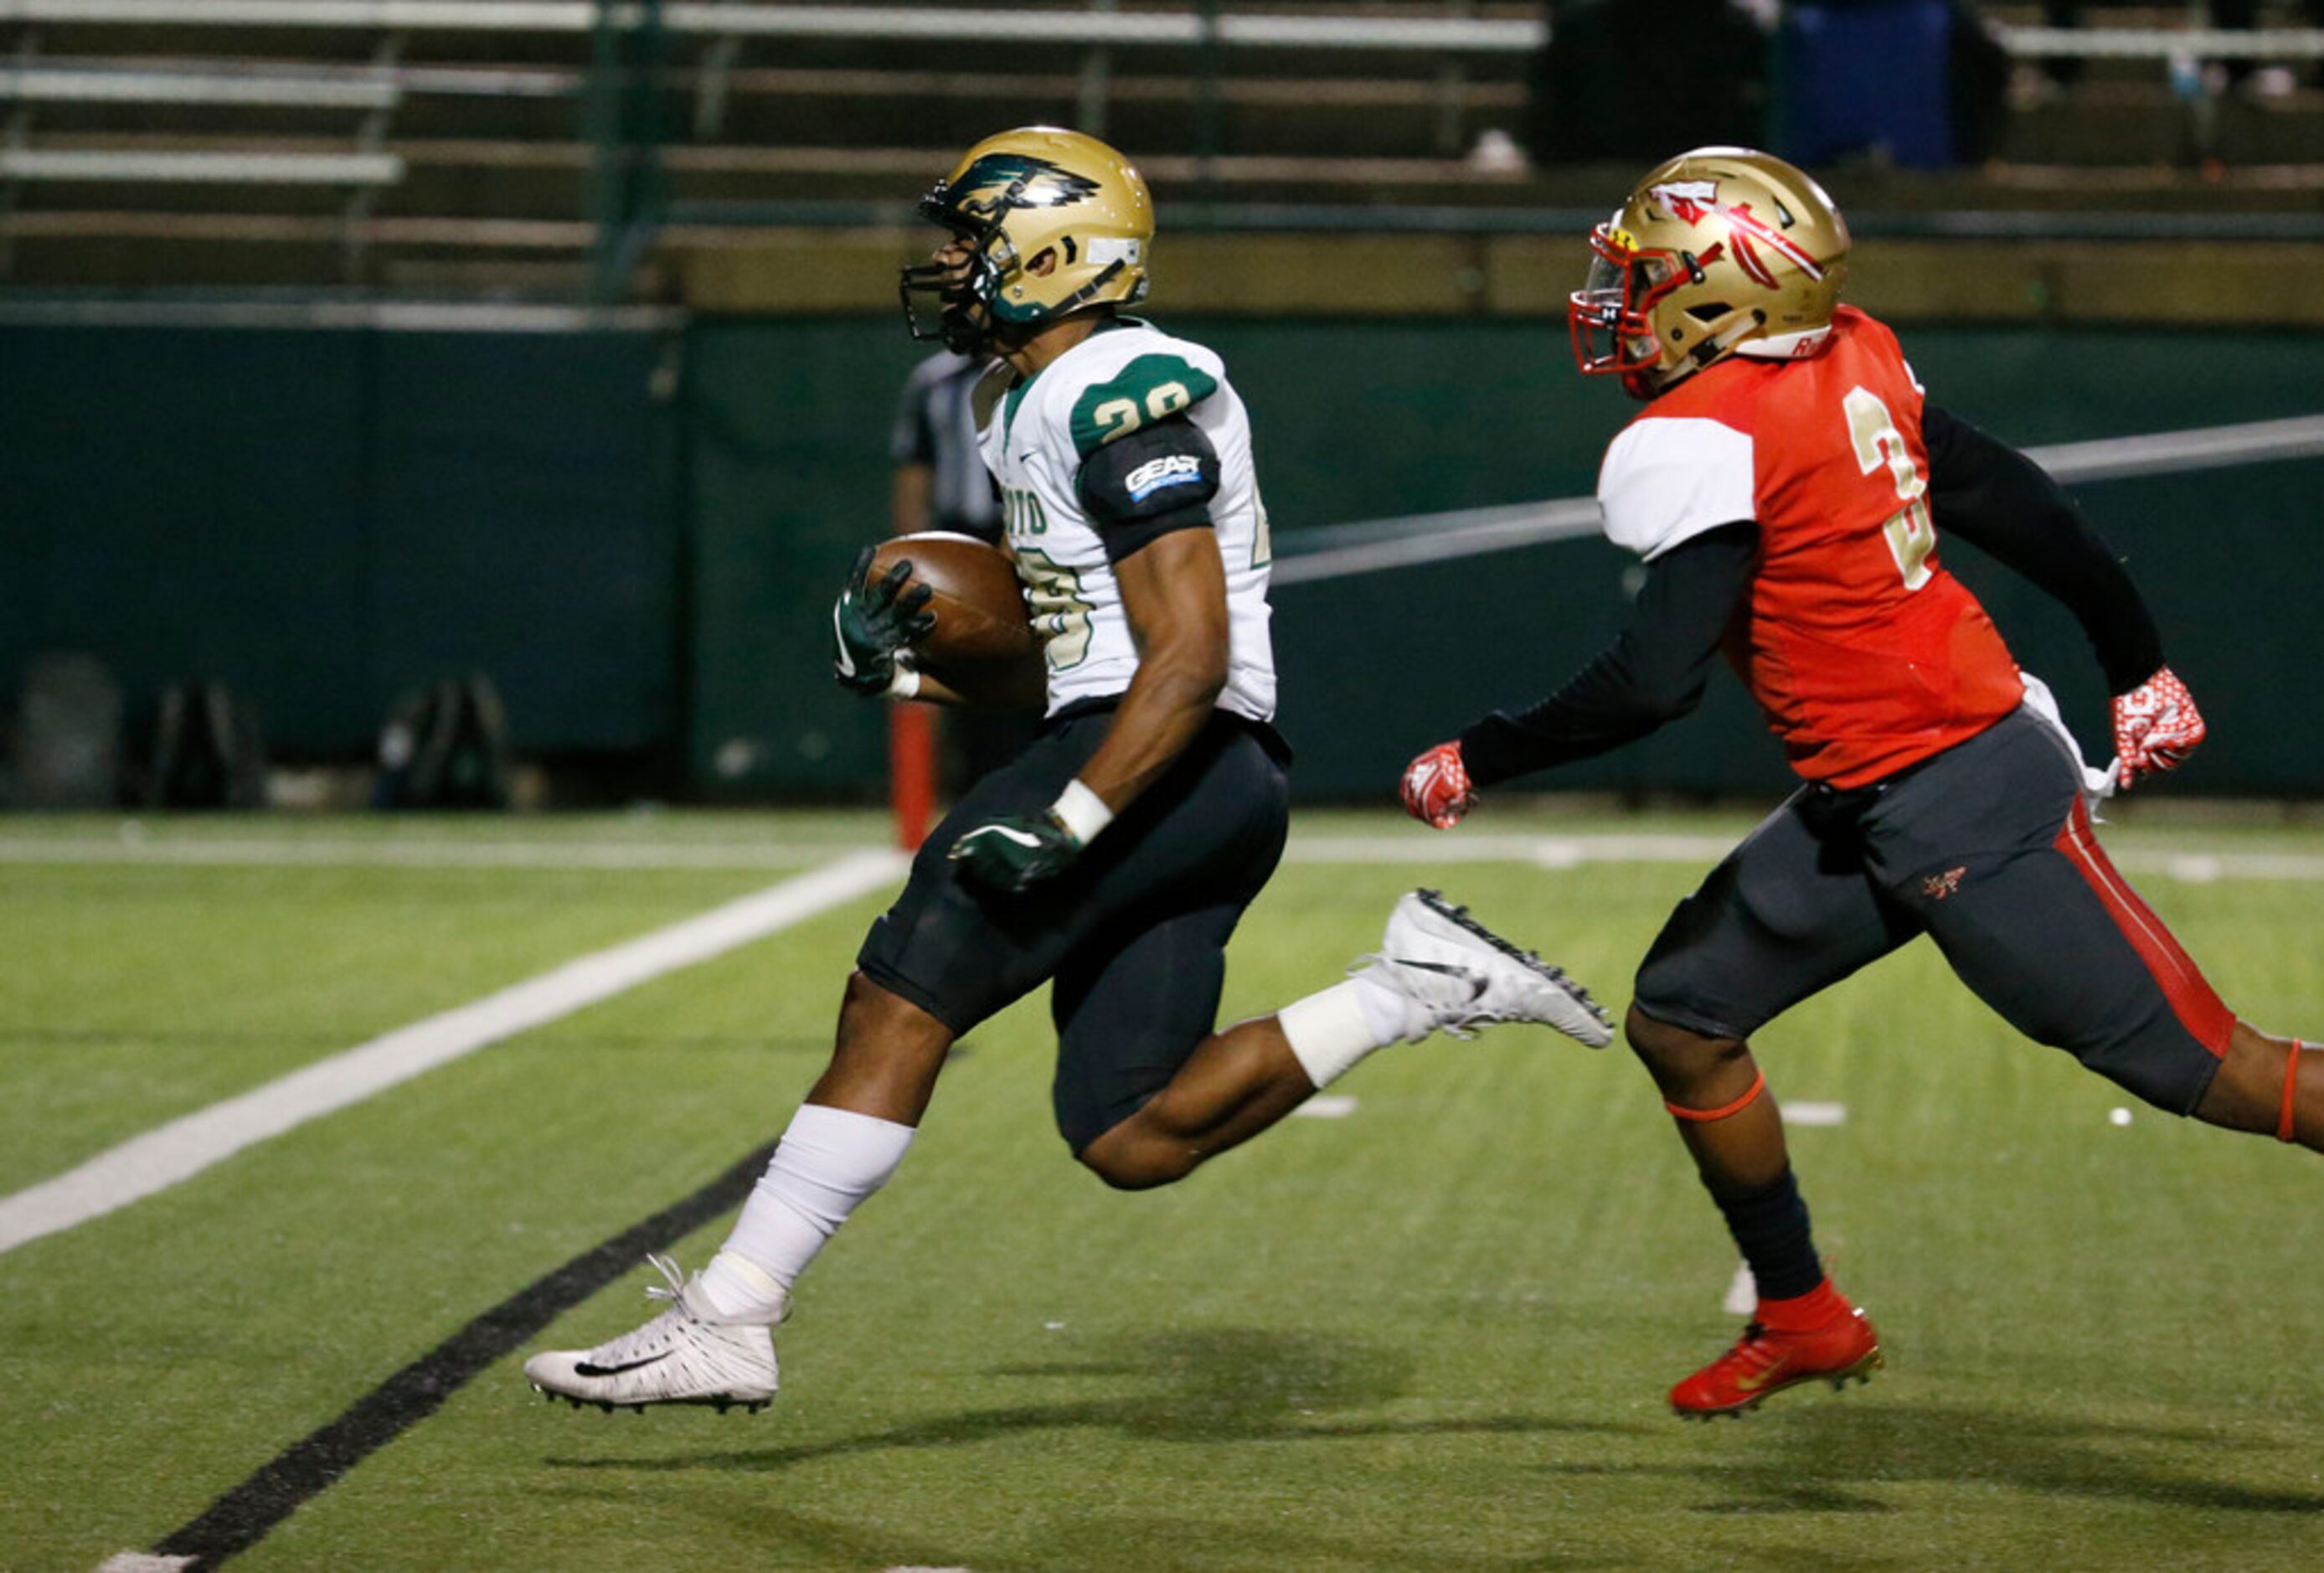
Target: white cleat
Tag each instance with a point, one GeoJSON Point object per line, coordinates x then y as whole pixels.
{"type": "Point", "coordinates": [1457, 975]}
{"type": "Point", "coordinates": [688, 1354]}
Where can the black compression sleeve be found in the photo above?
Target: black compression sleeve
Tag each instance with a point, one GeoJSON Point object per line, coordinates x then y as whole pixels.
{"type": "Point", "coordinates": [1996, 498]}
{"type": "Point", "coordinates": [1142, 487]}
{"type": "Point", "coordinates": [1653, 674]}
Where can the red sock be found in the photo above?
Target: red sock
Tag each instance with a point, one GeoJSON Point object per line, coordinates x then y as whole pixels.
{"type": "Point", "coordinates": [1803, 1312]}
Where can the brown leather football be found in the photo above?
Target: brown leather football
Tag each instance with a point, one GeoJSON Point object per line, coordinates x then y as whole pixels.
{"type": "Point", "coordinates": [982, 646]}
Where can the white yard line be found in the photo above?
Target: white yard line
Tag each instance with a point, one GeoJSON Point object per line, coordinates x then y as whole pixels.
{"type": "Point", "coordinates": [1547, 852]}
{"type": "Point", "coordinates": [1554, 852]}
{"type": "Point", "coordinates": [1815, 1113]}
{"type": "Point", "coordinates": [1544, 851]}
{"type": "Point", "coordinates": [163, 1157]}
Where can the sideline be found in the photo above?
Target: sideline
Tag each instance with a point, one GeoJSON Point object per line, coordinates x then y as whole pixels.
{"type": "Point", "coordinates": [301, 852]}
{"type": "Point", "coordinates": [1546, 851]}
{"type": "Point", "coordinates": [167, 1154]}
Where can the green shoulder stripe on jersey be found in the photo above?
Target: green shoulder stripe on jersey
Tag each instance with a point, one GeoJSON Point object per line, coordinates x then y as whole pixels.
{"type": "Point", "coordinates": [1151, 388]}
{"type": "Point", "coordinates": [1009, 403]}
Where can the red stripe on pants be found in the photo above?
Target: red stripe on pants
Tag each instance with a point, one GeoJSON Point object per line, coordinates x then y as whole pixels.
{"type": "Point", "coordinates": [2192, 999]}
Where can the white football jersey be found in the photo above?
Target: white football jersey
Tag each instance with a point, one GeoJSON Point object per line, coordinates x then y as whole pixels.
{"type": "Point", "coordinates": [1035, 441]}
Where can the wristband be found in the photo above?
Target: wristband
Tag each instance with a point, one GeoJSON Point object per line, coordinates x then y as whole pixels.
{"type": "Point", "coordinates": [1080, 812]}
{"type": "Point", "coordinates": [906, 683]}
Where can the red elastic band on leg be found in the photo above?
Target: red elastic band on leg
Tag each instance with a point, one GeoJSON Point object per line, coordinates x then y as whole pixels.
{"type": "Point", "coordinates": [1704, 1116]}
{"type": "Point", "coordinates": [2284, 1131]}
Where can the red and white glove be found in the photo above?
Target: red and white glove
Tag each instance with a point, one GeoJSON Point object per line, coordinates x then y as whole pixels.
{"type": "Point", "coordinates": [2155, 726]}
{"type": "Point", "coordinates": [1436, 789]}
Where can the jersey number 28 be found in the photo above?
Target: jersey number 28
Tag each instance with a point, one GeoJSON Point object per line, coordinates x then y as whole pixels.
{"type": "Point", "coordinates": [1912, 535]}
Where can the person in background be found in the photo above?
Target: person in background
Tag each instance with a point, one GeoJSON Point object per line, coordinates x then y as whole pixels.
{"type": "Point", "coordinates": [940, 483]}
{"type": "Point", "coordinates": [2261, 78]}
{"type": "Point", "coordinates": [1710, 88]}
{"type": "Point", "coordinates": [2062, 70]}
{"type": "Point", "coordinates": [2266, 79]}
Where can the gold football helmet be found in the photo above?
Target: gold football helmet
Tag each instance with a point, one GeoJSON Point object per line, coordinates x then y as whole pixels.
{"type": "Point", "coordinates": [1054, 222]}
{"type": "Point", "coordinates": [1718, 251]}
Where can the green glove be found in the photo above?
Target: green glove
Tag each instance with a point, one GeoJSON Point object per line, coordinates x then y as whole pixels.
{"type": "Point", "coordinates": [1016, 851]}
{"type": "Point", "coordinates": [872, 621]}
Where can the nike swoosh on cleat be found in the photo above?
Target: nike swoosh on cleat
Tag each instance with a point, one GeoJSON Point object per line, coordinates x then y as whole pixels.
{"type": "Point", "coordinates": [1018, 837]}
{"type": "Point", "coordinates": [1448, 968]}
{"type": "Point", "coordinates": [1478, 982]}
{"type": "Point", "coordinates": [1436, 903]}
{"type": "Point", "coordinates": [839, 631]}
{"type": "Point", "coordinates": [585, 1369]}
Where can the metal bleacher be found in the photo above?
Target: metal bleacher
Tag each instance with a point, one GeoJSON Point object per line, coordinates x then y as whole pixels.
{"type": "Point", "coordinates": [506, 145]}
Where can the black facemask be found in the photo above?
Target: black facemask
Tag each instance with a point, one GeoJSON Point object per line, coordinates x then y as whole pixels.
{"type": "Point", "coordinates": [954, 305]}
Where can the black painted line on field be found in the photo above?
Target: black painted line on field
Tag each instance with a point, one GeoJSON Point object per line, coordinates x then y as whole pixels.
{"type": "Point", "coordinates": [245, 1515]}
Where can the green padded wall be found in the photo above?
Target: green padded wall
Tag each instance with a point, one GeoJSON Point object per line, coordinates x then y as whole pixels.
{"type": "Point", "coordinates": [788, 477]}
{"type": "Point", "coordinates": [1357, 420]}
{"type": "Point", "coordinates": [324, 517]}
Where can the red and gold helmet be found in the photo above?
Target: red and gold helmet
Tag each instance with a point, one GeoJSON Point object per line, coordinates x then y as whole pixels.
{"type": "Point", "coordinates": [1718, 252]}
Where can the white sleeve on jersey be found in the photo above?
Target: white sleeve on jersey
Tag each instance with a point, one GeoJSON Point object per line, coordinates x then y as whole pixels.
{"type": "Point", "coordinates": [1667, 479]}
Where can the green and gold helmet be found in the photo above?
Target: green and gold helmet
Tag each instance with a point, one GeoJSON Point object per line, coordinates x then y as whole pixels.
{"type": "Point", "coordinates": [1718, 252]}
{"type": "Point", "coordinates": [1056, 221]}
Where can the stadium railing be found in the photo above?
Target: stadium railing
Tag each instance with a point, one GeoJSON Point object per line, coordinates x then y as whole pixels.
{"type": "Point", "coordinates": [488, 179]}
{"type": "Point", "coordinates": [1097, 25]}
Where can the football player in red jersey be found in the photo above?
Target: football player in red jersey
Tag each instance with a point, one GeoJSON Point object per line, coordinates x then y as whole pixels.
{"type": "Point", "coordinates": [1785, 485]}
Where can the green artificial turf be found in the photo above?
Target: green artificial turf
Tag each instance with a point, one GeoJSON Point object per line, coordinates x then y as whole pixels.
{"type": "Point", "coordinates": [1433, 1333]}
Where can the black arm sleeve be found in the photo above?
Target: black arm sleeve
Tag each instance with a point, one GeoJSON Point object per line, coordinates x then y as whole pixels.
{"type": "Point", "coordinates": [1654, 672]}
{"type": "Point", "coordinates": [1142, 487]}
{"type": "Point", "coordinates": [1996, 498]}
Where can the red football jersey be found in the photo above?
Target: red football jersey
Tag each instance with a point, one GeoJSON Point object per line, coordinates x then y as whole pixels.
{"type": "Point", "coordinates": [1864, 653]}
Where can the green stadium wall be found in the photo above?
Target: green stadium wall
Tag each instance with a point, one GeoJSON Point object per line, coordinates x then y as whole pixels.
{"type": "Point", "coordinates": [645, 560]}
{"type": "Point", "coordinates": [323, 518]}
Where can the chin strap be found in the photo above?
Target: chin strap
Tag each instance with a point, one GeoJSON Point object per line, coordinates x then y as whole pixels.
{"type": "Point", "coordinates": [2284, 1126]}
{"type": "Point", "coordinates": [1704, 1116]}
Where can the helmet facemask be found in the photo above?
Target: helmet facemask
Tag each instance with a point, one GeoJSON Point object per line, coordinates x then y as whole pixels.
{"type": "Point", "coordinates": [952, 301]}
{"type": "Point", "coordinates": [1611, 318]}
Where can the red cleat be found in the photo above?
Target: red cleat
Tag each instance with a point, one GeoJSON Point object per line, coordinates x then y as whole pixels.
{"type": "Point", "coordinates": [1817, 1337]}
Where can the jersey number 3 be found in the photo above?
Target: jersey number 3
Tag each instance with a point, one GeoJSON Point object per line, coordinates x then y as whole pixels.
{"type": "Point", "coordinates": [1912, 535]}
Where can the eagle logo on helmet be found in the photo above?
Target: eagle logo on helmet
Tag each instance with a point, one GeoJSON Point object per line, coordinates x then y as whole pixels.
{"type": "Point", "coordinates": [1002, 180]}
{"type": "Point", "coordinates": [1053, 222]}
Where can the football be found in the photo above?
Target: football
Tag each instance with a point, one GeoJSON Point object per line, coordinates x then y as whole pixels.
{"type": "Point", "coordinates": [982, 646]}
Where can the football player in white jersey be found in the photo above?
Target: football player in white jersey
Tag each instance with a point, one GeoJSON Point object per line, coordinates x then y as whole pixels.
{"type": "Point", "coordinates": [1116, 855]}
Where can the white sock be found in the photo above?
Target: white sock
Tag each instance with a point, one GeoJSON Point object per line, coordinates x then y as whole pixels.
{"type": "Point", "coordinates": [829, 1160]}
{"type": "Point", "coordinates": [1330, 1032]}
